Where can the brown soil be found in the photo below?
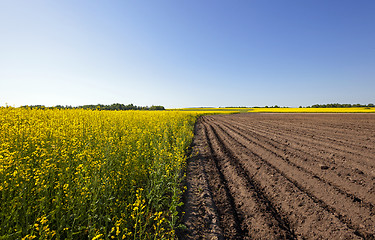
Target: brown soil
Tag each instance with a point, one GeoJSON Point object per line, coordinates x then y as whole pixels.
{"type": "Point", "coordinates": [281, 176]}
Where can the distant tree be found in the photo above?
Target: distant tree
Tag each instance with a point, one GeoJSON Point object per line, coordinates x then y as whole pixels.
{"type": "Point", "coordinates": [338, 105]}
{"type": "Point", "coordinates": [157, 108]}
{"type": "Point", "coordinates": [120, 107]}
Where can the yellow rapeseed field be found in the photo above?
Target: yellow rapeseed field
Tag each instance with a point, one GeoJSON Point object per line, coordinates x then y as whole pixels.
{"type": "Point", "coordinates": [82, 174]}
{"type": "Point", "coordinates": [285, 110]}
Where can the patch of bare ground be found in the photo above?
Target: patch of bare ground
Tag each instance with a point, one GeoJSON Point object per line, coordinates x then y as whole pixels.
{"type": "Point", "coordinates": [281, 176]}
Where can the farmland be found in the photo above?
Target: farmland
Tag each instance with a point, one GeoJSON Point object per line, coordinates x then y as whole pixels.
{"type": "Point", "coordinates": [91, 174]}
{"type": "Point", "coordinates": [282, 176]}
{"type": "Point", "coordinates": [82, 174]}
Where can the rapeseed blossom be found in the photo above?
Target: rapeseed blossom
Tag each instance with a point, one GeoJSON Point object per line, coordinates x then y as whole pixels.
{"type": "Point", "coordinates": [73, 174]}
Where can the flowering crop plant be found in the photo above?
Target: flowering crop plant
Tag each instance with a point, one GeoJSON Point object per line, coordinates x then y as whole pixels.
{"type": "Point", "coordinates": [84, 174]}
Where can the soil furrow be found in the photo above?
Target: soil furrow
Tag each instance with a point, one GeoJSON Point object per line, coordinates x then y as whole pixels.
{"type": "Point", "coordinates": [319, 138]}
{"type": "Point", "coordinates": [357, 165]}
{"type": "Point", "coordinates": [335, 132]}
{"type": "Point", "coordinates": [305, 162]}
{"type": "Point", "coordinates": [313, 140]}
{"type": "Point", "coordinates": [198, 198]}
{"type": "Point", "coordinates": [285, 174]}
{"type": "Point", "coordinates": [256, 209]}
{"type": "Point", "coordinates": [231, 223]}
{"type": "Point", "coordinates": [282, 176]}
{"type": "Point", "coordinates": [351, 169]}
{"type": "Point", "coordinates": [336, 201]}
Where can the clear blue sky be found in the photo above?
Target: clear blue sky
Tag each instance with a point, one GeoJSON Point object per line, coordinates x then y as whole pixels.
{"type": "Point", "coordinates": [187, 53]}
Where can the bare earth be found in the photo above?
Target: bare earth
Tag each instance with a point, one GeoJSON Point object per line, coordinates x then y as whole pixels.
{"type": "Point", "coordinates": [282, 176]}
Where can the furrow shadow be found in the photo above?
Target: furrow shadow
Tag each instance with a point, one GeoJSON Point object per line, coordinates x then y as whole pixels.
{"type": "Point", "coordinates": [225, 204]}
{"type": "Point", "coordinates": [259, 194]}
{"type": "Point", "coordinates": [342, 218]}
{"type": "Point", "coordinates": [359, 201]}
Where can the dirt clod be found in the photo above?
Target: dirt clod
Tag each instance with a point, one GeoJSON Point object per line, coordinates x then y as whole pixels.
{"type": "Point", "coordinates": [324, 167]}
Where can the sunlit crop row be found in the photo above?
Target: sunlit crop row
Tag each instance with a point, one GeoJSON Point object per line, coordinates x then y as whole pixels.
{"type": "Point", "coordinates": [82, 174]}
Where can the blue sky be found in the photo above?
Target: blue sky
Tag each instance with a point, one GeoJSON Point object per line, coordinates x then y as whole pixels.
{"type": "Point", "coordinates": [187, 53]}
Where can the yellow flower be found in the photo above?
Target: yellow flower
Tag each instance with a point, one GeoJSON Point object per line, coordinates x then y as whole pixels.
{"type": "Point", "coordinates": [64, 159]}
{"type": "Point", "coordinates": [97, 236]}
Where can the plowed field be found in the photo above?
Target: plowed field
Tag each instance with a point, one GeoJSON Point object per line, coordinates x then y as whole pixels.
{"type": "Point", "coordinates": [282, 176]}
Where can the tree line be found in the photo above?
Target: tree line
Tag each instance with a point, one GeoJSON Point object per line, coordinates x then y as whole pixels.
{"type": "Point", "coordinates": [111, 107]}
{"type": "Point", "coordinates": [338, 105]}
